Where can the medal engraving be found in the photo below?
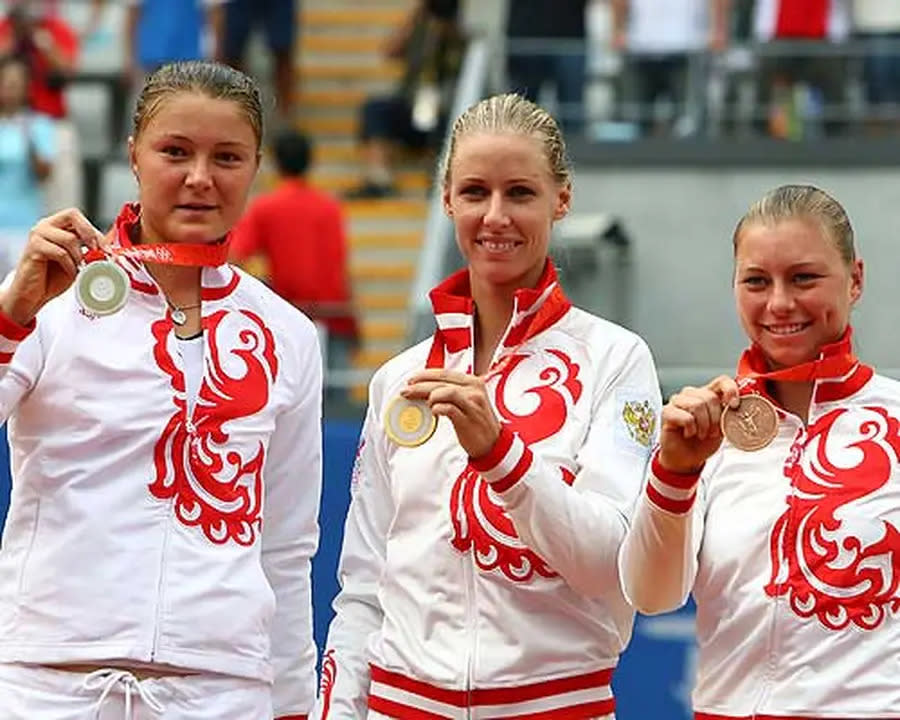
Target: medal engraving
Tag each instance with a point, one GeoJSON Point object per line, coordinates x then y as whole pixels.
{"type": "Point", "coordinates": [409, 422]}
{"type": "Point", "coordinates": [752, 425]}
{"type": "Point", "coordinates": [102, 287]}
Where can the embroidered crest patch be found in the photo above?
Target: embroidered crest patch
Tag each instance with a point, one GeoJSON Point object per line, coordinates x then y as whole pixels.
{"type": "Point", "coordinates": [640, 421]}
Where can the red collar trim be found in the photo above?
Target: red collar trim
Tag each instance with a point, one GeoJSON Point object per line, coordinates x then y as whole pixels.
{"type": "Point", "coordinates": [534, 310]}
{"type": "Point", "coordinates": [837, 372]}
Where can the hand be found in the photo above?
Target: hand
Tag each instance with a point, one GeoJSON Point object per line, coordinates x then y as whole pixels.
{"type": "Point", "coordinates": [49, 263]}
{"type": "Point", "coordinates": [463, 399]}
{"type": "Point", "coordinates": [690, 431]}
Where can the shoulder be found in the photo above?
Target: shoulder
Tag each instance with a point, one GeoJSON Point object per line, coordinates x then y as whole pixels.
{"type": "Point", "coordinates": [281, 316]}
{"type": "Point", "coordinates": [391, 375]}
{"type": "Point", "coordinates": [604, 338]}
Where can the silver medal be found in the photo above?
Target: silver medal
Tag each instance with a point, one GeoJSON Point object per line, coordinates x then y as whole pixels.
{"type": "Point", "coordinates": [102, 287]}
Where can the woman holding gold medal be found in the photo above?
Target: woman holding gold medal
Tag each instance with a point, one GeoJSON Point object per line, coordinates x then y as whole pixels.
{"type": "Point", "coordinates": [164, 420]}
{"type": "Point", "coordinates": [787, 530]}
{"type": "Point", "coordinates": [497, 469]}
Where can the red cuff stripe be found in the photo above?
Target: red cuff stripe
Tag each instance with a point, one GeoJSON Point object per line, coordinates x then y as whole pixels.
{"type": "Point", "coordinates": [682, 481]}
{"type": "Point", "coordinates": [11, 330]}
{"type": "Point", "coordinates": [505, 483]}
{"type": "Point", "coordinates": [292, 717]}
{"type": "Point", "coordinates": [399, 710]}
{"type": "Point", "coordinates": [679, 507]}
{"type": "Point", "coordinates": [495, 454]}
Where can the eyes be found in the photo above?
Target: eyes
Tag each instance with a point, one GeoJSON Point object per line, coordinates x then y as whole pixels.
{"type": "Point", "coordinates": [222, 157]}
{"type": "Point", "coordinates": [758, 281]}
{"type": "Point", "coordinates": [516, 192]}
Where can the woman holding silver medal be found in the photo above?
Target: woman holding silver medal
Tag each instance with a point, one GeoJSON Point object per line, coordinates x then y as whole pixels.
{"type": "Point", "coordinates": [164, 421]}
{"type": "Point", "coordinates": [787, 530]}
{"type": "Point", "coordinates": [497, 469]}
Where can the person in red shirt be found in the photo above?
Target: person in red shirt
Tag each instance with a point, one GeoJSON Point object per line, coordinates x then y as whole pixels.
{"type": "Point", "coordinates": [299, 230]}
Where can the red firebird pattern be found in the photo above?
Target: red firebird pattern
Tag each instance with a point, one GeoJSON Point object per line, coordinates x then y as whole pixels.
{"type": "Point", "coordinates": [833, 563]}
{"type": "Point", "coordinates": [216, 483]}
{"type": "Point", "coordinates": [479, 523]}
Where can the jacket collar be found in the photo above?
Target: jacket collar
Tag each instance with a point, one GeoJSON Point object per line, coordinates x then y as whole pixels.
{"type": "Point", "coordinates": [534, 310]}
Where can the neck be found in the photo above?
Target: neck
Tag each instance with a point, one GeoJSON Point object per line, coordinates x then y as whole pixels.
{"type": "Point", "coordinates": [794, 397]}
{"type": "Point", "coordinates": [494, 307]}
{"type": "Point", "coordinates": [179, 283]}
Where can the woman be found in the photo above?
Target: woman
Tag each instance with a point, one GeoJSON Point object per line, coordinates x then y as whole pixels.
{"type": "Point", "coordinates": [791, 549]}
{"type": "Point", "coordinates": [166, 457]}
{"type": "Point", "coordinates": [478, 571]}
{"type": "Point", "coordinates": [27, 150]}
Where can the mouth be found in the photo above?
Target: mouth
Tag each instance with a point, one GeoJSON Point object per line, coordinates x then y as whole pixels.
{"type": "Point", "coordinates": [196, 207]}
{"type": "Point", "coordinates": [786, 329]}
{"type": "Point", "coordinates": [498, 245]}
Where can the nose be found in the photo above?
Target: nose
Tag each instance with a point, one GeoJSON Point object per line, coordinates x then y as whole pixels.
{"type": "Point", "coordinates": [781, 299]}
{"type": "Point", "coordinates": [495, 215]}
{"type": "Point", "coordinates": [199, 174]}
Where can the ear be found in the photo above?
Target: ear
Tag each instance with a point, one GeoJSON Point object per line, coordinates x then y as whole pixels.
{"type": "Point", "coordinates": [445, 198]}
{"type": "Point", "coordinates": [563, 200]}
{"type": "Point", "coordinates": [856, 281]}
{"type": "Point", "coordinates": [132, 158]}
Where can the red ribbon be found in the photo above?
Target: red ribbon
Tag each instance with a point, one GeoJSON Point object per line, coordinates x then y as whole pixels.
{"type": "Point", "coordinates": [835, 360]}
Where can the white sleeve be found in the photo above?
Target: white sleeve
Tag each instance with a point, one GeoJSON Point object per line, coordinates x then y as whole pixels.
{"type": "Point", "coordinates": [21, 362]}
{"type": "Point", "coordinates": [577, 529]}
{"type": "Point", "coordinates": [290, 536]}
{"type": "Point", "coordinates": [358, 614]}
{"type": "Point", "coordinates": [658, 560]}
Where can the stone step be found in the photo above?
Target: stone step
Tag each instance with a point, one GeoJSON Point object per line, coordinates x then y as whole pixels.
{"type": "Point", "coordinates": [382, 272]}
{"type": "Point", "coordinates": [379, 240]}
{"type": "Point", "coordinates": [341, 98]}
{"type": "Point", "coordinates": [350, 73]}
{"type": "Point", "coordinates": [350, 16]}
{"type": "Point", "coordinates": [382, 301]}
{"type": "Point", "coordinates": [329, 43]}
{"type": "Point", "coordinates": [409, 181]}
{"type": "Point", "coordinates": [387, 209]}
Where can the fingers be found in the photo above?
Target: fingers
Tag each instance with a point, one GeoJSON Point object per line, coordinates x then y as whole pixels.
{"type": "Point", "coordinates": [75, 222]}
{"type": "Point", "coordinates": [65, 240]}
{"type": "Point", "coordinates": [696, 411]}
{"type": "Point", "coordinates": [445, 376]}
{"type": "Point", "coordinates": [43, 249]}
{"type": "Point", "coordinates": [727, 390]}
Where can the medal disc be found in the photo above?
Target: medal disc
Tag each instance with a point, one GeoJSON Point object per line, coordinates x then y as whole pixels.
{"type": "Point", "coordinates": [751, 425]}
{"type": "Point", "coordinates": [409, 422]}
{"type": "Point", "coordinates": [102, 287]}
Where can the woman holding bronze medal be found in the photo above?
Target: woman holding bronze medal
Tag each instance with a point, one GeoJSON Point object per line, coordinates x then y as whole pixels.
{"type": "Point", "coordinates": [164, 421]}
{"type": "Point", "coordinates": [497, 468]}
{"type": "Point", "coordinates": [787, 530]}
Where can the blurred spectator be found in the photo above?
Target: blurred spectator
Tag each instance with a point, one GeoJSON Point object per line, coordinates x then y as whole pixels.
{"type": "Point", "coordinates": [27, 145]}
{"type": "Point", "coordinates": [430, 42]}
{"type": "Point", "coordinates": [798, 88]}
{"type": "Point", "coordinates": [877, 23]}
{"type": "Point", "coordinates": [279, 18]}
{"type": "Point", "coordinates": [299, 231]}
{"type": "Point", "coordinates": [33, 31]}
{"type": "Point", "coordinates": [163, 31]}
{"type": "Point", "coordinates": [532, 27]}
{"type": "Point", "coordinates": [663, 45]}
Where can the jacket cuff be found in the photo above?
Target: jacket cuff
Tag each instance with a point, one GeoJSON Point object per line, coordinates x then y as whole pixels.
{"type": "Point", "coordinates": [11, 334]}
{"type": "Point", "coordinates": [292, 717]}
{"type": "Point", "coordinates": [670, 491]}
{"type": "Point", "coordinates": [505, 463]}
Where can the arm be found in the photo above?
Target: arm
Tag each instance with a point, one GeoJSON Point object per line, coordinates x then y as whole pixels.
{"type": "Point", "coordinates": [658, 560]}
{"type": "Point", "coordinates": [719, 22]}
{"type": "Point", "coordinates": [41, 145]}
{"type": "Point", "coordinates": [130, 39]}
{"type": "Point", "coordinates": [619, 23]}
{"type": "Point", "coordinates": [345, 669]}
{"type": "Point", "coordinates": [215, 21]}
{"type": "Point", "coordinates": [577, 529]}
{"type": "Point", "coordinates": [293, 478]}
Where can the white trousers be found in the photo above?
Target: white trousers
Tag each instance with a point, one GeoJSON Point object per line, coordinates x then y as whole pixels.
{"type": "Point", "coordinates": [32, 692]}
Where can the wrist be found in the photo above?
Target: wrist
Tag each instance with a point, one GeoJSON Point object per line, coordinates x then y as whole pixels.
{"type": "Point", "coordinates": [669, 464]}
{"type": "Point", "coordinates": [20, 313]}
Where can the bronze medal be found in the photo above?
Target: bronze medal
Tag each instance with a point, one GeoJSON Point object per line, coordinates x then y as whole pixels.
{"type": "Point", "coordinates": [752, 425]}
{"type": "Point", "coordinates": [409, 422]}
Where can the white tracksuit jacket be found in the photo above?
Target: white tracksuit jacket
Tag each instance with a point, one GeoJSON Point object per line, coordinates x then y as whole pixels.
{"type": "Point", "coordinates": [488, 588]}
{"type": "Point", "coordinates": [793, 557]}
{"type": "Point", "coordinates": [138, 533]}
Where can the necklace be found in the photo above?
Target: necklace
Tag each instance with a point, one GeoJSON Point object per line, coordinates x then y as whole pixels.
{"type": "Point", "coordinates": [179, 317]}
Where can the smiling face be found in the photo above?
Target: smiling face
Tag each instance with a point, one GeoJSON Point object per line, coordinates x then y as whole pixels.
{"type": "Point", "coordinates": [793, 289]}
{"type": "Point", "coordinates": [503, 200]}
{"type": "Point", "coordinates": [195, 159]}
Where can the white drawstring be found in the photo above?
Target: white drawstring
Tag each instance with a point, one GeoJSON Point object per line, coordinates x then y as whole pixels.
{"type": "Point", "coordinates": [108, 678]}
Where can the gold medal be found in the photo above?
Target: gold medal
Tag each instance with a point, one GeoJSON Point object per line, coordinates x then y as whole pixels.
{"type": "Point", "coordinates": [751, 425]}
{"type": "Point", "coordinates": [409, 422]}
{"type": "Point", "coordinates": [102, 287]}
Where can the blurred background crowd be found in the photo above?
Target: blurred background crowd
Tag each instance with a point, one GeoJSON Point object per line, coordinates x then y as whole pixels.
{"type": "Point", "coordinates": [677, 113]}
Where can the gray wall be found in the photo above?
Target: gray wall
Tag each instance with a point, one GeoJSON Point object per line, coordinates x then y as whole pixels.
{"type": "Point", "coordinates": [676, 290]}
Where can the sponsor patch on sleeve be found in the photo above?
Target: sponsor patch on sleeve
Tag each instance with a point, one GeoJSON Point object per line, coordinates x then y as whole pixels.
{"type": "Point", "coordinates": [635, 421]}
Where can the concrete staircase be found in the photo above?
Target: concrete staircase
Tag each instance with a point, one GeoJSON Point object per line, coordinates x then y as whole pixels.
{"type": "Point", "coordinates": [339, 65]}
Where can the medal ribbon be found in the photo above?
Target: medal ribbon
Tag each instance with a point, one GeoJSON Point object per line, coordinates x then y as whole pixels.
{"type": "Point", "coordinates": [189, 254]}
{"type": "Point", "coordinates": [835, 360]}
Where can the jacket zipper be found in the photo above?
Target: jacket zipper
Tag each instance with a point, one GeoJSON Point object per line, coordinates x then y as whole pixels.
{"type": "Point", "coordinates": [471, 633]}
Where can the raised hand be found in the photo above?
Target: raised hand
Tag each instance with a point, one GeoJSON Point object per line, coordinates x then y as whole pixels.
{"type": "Point", "coordinates": [463, 399]}
{"type": "Point", "coordinates": [49, 263]}
{"type": "Point", "coordinates": [690, 431]}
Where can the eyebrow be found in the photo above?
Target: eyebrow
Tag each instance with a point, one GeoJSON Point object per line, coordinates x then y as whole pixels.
{"type": "Point", "coordinates": [185, 138]}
